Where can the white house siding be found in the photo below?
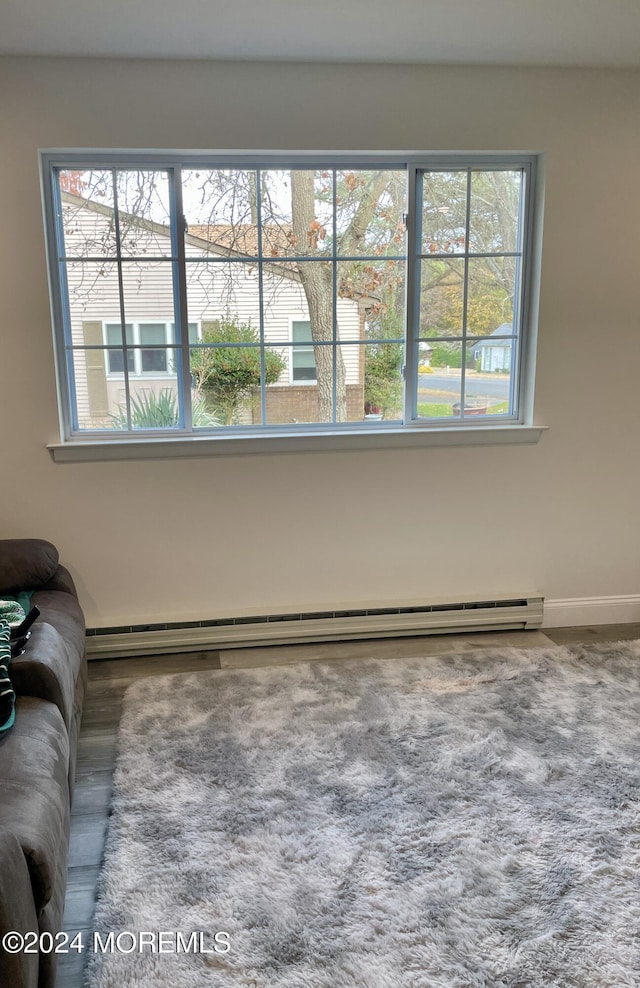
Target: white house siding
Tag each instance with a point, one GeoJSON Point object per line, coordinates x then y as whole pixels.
{"type": "Point", "coordinates": [215, 288]}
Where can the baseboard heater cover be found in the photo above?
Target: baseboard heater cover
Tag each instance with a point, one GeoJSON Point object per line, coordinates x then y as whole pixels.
{"type": "Point", "coordinates": [507, 613]}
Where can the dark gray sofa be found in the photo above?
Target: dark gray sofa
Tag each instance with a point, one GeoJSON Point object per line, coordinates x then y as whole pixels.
{"type": "Point", "coordinates": [37, 757]}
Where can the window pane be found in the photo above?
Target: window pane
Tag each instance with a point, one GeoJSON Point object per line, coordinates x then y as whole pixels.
{"type": "Point", "coordinates": [370, 212]}
{"type": "Point", "coordinates": [96, 397]}
{"type": "Point", "coordinates": [488, 377]}
{"type": "Point", "coordinates": [221, 210]}
{"type": "Point", "coordinates": [143, 213]}
{"type": "Point", "coordinates": [297, 212]}
{"type": "Point", "coordinates": [301, 331]}
{"type": "Point", "coordinates": [439, 380]}
{"type": "Point", "coordinates": [154, 361]}
{"type": "Point", "coordinates": [225, 293]}
{"type": "Point", "coordinates": [93, 296]}
{"type": "Point", "coordinates": [153, 333]}
{"type": "Point", "coordinates": [114, 333]}
{"type": "Point", "coordinates": [154, 406]}
{"type": "Point", "coordinates": [371, 299]}
{"type": "Point", "coordinates": [325, 357]}
{"type": "Point", "coordinates": [285, 294]}
{"type": "Point", "coordinates": [303, 364]}
{"type": "Point", "coordinates": [374, 386]}
{"type": "Point", "coordinates": [495, 208]}
{"type": "Point", "coordinates": [226, 381]}
{"type": "Point", "coordinates": [87, 213]}
{"type": "Point", "coordinates": [441, 297]}
{"type": "Point", "coordinates": [444, 212]}
{"type": "Point", "coordinates": [148, 294]}
{"type": "Point", "coordinates": [292, 400]}
{"type": "Point", "coordinates": [115, 358]}
{"type": "Point", "coordinates": [490, 295]}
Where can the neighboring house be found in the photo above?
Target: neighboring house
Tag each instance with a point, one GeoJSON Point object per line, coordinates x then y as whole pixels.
{"type": "Point", "coordinates": [218, 285]}
{"type": "Point", "coordinates": [495, 354]}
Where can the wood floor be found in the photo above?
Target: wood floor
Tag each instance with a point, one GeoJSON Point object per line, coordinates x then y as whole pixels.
{"type": "Point", "coordinates": [108, 681]}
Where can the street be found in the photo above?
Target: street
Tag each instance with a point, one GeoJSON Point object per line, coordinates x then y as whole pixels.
{"type": "Point", "coordinates": [492, 386]}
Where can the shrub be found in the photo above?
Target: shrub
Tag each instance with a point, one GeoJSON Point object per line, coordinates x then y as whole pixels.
{"type": "Point", "coordinates": [226, 376]}
{"type": "Point", "coordinates": [160, 411]}
{"type": "Point", "coordinates": [382, 381]}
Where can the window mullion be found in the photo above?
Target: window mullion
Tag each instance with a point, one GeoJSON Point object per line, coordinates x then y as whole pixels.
{"type": "Point", "coordinates": [123, 320]}
{"type": "Point", "coordinates": [180, 304]}
{"type": "Point", "coordinates": [412, 290]}
{"type": "Point", "coordinates": [465, 296]}
{"type": "Point", "coordinates": [334, 288]}
{"type": "Point", "coordinates": [263, 362]}
{"type": "Point", "coordinates": [520, 301]}
{"type": "Point", "coordinates": [63, 336]}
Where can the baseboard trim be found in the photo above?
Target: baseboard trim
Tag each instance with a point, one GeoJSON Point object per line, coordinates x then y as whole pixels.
{"type": "Point", "coordinates": [575, 611]}
{"type": "Point", "coordinates": [404, 619]}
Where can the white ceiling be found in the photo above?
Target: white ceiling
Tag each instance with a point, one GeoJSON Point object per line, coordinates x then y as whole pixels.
{"type": "Point", "coordinates": [502, 32]}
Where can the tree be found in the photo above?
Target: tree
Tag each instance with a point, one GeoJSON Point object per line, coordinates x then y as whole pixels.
{"type": "Point", "coordinates": [296, 212]}
{"type": "Point", "coordinates": [227, 376]}
{"type": "Point", "coordinates": [383, 360]}
{"type": "Point", "coordinates": [365, 225]}
{"type": "Point", "coordinates": [317, 282]}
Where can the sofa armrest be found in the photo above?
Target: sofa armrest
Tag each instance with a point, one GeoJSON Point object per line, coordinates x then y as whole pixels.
{"type": "Point", "coordinates": [61, 580]}
{"type": "Point", "coordinates": [17, 913]}
{"type": "Point", "coordinates": [26, 564]}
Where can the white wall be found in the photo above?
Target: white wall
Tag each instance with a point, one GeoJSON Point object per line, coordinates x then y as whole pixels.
{"type": "Point", "coordinates": [172, 540]}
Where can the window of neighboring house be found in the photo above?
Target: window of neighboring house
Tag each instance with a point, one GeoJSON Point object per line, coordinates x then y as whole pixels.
{"type": "Point", "coordinates": [349, 272]}
{"type": "Point", "coordinates": [115, 357]}
{"type": "Point", "coordinates": [303, 361]}
{"type": "Point", "coordinates": [148, 341]}
{"type": "Point", "coordinates": [149, 355]}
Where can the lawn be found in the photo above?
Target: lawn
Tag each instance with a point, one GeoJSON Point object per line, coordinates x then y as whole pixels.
{"type": "Point", "coordinates": [436, 410]}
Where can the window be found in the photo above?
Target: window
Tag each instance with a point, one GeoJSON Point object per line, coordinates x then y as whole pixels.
{"type": "Point", "coordinates": [148, 342]}
{"type": "Point", "coordinates": [397, 290]}
{"type": "Point", "coordinates": [115, 355]}
{"type": "Point", "coordinates": [303, 361]}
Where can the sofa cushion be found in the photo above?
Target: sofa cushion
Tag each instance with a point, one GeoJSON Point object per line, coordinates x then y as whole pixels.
{"type": "Point", "coordinates": [34, 791]}
{"type": "Point", "coordinates": [54, 656]}
{"type": "Point", "coordinates": [45, 671]}
{"type": "Point", "coordinates": [50, 921]}
{"type": "Point", "coordinates": [26, 564]}
{"type": "Point", "coordinates": [62, 611]}
{"type": "Point", "coordinates": [17, 913]}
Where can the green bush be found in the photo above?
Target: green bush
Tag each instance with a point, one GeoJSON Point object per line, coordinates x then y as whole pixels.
{"type": "Point", "coordinates": [382, 381]}
{"type": "Point", "coordinates": [449, 355]}
{"type": "Point", "coordinates": [160, 411]}
{"type": "Point", "coordinates": [149, 411]}
{"type": "Point", "coordinates": [226, 376]}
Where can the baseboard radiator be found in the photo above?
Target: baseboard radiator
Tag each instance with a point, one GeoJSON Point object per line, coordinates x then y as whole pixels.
{"type": "Point", "coordinates": [506, 613]}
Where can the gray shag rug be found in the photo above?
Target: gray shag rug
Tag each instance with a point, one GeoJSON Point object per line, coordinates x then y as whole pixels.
{"type": "Point", "coordinates": [461, 820]}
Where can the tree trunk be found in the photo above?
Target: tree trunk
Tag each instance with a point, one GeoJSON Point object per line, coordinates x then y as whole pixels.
{"type": "Point", "coordinates": [317, 282]}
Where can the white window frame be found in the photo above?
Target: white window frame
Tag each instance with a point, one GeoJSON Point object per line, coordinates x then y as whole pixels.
{"type": "Point", "coordinates": [518, 428]}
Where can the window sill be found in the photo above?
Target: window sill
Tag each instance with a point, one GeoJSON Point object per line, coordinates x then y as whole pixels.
{"type": "Point", "coordinates": [152, 448]}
